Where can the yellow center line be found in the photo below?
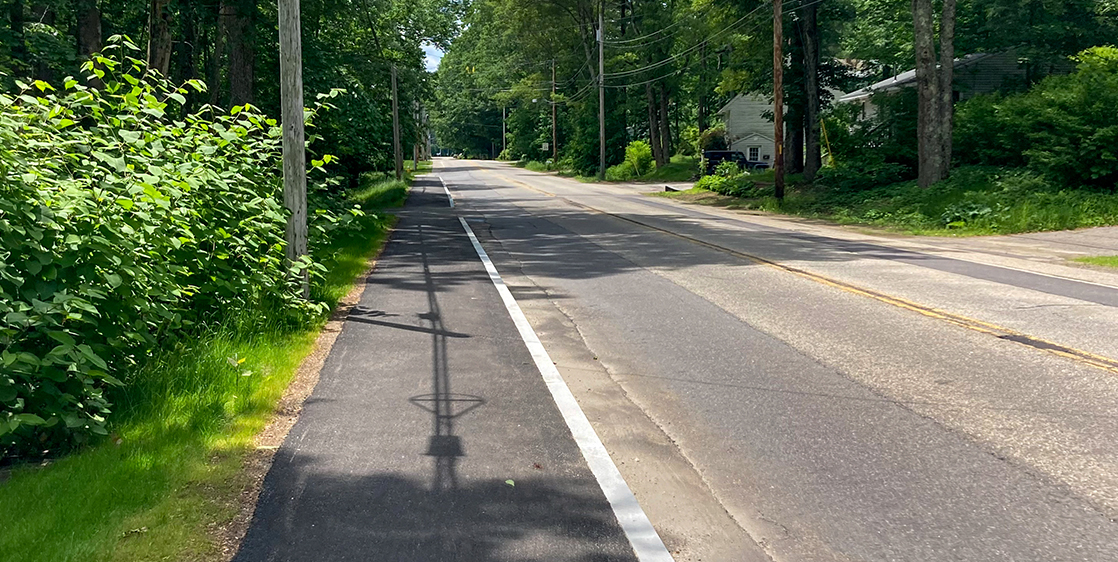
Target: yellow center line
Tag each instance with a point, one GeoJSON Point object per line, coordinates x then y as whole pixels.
{"type": "Point", "coordinates": [980, 326]}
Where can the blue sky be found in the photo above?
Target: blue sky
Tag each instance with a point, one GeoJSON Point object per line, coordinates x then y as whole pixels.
{"type": "Point", "coordinates": [434, 55]}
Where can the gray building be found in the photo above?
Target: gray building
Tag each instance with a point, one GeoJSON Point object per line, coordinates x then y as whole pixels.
{"type": "Point", "coordinates": [980, 73]}
{"type": "Point", "coordinates": [747, 128]}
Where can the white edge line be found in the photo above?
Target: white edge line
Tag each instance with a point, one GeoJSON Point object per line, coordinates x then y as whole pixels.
{"type": "Point", "coordinates": [449, 197]}
{"type": "Point", "coordinates": [634, 522]}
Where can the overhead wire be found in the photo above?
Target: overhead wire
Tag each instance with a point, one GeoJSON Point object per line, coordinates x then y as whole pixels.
{"type": "Point", "coordinates": [676, 23]}
{"type": "Point", "coordinates": [694, 62]}
{"type": "Point", "coordinates": [691, 49]}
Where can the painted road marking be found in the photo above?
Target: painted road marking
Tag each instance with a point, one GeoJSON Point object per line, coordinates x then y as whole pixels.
{"type": "Point", "coordinates": [449, 197]}
{"type": "Point", "coordinates": [1000, 332]}
{"type": "Point", "coordinates": [638, 529]}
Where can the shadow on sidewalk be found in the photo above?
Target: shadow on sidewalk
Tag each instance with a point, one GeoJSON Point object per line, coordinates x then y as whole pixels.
{"type": "Point", "coordinates": [315, 508]}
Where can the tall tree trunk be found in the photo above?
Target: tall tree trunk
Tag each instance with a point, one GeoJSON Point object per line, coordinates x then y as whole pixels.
{"type": "Point", "coordinates": [946, 85]}
{"type": "Point", "coordinates": [88, 33]}
{"type": "Point", "coordinates": [794, 102]}
{"type": "Point", "coordinates": [665, 126]}
{"type": "Point", "coordinates": [16, 19]}
{"type": "Point", "coordinates": [214, 60]}
{"type": "Point", "coordinates": [242, 50]}
{"type": "Point", "coordinates": [187, 52]}
{"type": "Point", "coordinates": [701, 102]}
{"type": "Point", "coordinates": [794, 137]}
{"type": "Point", "coordinates": [44, 14]}
{"type": "Point", "coordinates": [653, 124]}
{"type": "Point", "coordinates": [89, 27]}
{"type": "Point", "coordinates": [813, 156]}
{"type": "Point", "coordinates": [159, 36]}
{"type": "Point", "coordinates": [928, 118]}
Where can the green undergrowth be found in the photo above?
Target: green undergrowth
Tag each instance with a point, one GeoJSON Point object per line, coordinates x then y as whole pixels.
{"type": "Point", "coordinates": [424, 167]}
{"type": "Point", "coordinates": [680, 168]}
{"type": "Point", "coordinates": [974, 201]}
{"type": "Point", "coordinates": [172, 467]}
{"type": "Point", "coordinates": [1103, 261]}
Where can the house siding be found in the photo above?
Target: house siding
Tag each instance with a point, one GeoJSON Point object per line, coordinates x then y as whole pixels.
{"type": "Point", "coordinates": [747, 126]}
{"type": "Point", "coordinates": [995, 73]}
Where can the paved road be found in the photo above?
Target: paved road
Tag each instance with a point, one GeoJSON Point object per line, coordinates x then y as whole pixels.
{"type": "Point", "coordinates": [818, 394]}
{"type": "Point", "coordinates": [431, 436]}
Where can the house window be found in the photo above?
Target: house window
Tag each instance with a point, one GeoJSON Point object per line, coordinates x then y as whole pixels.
{"type": "Point", "coordinates": [754, 153]}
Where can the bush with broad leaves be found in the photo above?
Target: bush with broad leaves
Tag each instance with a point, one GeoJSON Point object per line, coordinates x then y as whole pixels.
{"type": "Point", "coordinates": [126, 223]}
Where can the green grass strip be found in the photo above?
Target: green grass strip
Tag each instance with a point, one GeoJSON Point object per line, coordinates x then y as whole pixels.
{"type": "Point", "coordinates": [1104, 261]}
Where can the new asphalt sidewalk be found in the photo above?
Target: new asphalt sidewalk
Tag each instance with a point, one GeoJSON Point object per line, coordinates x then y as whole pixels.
{"type": "Point", "coordinates": [431, 435]}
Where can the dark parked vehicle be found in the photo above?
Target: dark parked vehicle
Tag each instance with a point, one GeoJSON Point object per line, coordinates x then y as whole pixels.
{"type": "Point", "coordinates": [712, 158]}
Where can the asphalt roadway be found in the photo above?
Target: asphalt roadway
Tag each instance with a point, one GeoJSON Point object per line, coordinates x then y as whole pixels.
{"type": "Point", "coordinates": [768, 390]}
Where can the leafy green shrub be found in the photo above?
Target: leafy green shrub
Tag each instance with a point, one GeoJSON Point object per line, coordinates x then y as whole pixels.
{"type": "Point", "coordinates": [125, 223]}
{"type": "Point", "coordinates": [639, 155]}
{"type": "Point", "coordinates": [689, 141]}
{"type": "Point", "coordinates": [734, 186]}
{"type": "Point", "coordinates": [714, 138]}
{"type": "Point", "coordinates": [621, 172]}
{"type": "Point", "coordinates": [728, 169]}
{"type": "Point", "coordinates": [1066, 127]}
{"type": "Point", "coordinates": [850, 179]}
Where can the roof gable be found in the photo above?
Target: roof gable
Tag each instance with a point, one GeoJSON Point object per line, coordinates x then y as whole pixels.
{"type": "Point", "coordinates": [906, 78]}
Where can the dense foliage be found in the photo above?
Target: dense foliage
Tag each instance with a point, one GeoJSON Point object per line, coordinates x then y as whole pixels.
{"type": "Point", "coordinates": [125, 223]}
{"type": "Point", "coordinates": [1065, 128]}
{"type": "Point", "coordinates": [668, 67]}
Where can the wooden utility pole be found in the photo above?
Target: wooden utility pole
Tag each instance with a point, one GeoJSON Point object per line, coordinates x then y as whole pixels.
{"type": "Point", "coordinates": [778, 98]}
{"type": "Point", "coordinates": [294, 137]}
{"type": "Point", "coordinates": [504, 138]}
{"type": "Point", "coordinates": [397, 149]}
{"type": "Point", "coordinates": [554, 130]}
{"type": "Point", "coordinates": [601, 92]}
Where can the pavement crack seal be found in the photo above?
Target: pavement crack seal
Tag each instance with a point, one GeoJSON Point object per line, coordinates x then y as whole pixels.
{"type": "Point", "coordinates": [1000, 332]}
{"type": "Point", "coordinates": [642, 536]}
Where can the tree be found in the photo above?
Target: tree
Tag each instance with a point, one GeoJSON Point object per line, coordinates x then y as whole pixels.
{"type": "Point", "coordinates": [813, 151]}
{"type": "Point", "coordinates": [239, 17]}
{"type": "Point", "coordinates": [159, 36]}
{"type": "Point", "coordinates": [935, 96]}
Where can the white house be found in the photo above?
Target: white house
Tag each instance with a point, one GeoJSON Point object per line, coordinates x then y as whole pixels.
{"type": "Point", "coordinates": [747, 128]}
{"type": "Point", "coordinates": [980, 73]}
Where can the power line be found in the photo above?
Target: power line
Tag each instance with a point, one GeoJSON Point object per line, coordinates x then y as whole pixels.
{"type": "Point", "coordinates": [698, 60]}
{"type": "Point", "coordinates": [693, 48]}
{"type": "Point", "coordinates": [676, 23]}
{"type": "Point", "coordinates": [689, 50]}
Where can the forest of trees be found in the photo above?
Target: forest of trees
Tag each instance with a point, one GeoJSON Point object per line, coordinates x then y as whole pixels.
{"type": "Point", "coordinates": [670, 65]}
{"type": "Point", "coordinates": [141, 201]}
{"type": "Point", "coordinates": [232, 46]}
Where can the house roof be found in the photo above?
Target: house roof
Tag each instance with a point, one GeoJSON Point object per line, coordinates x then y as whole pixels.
{"type": "Point", "coordinates": [751, 135]}
{"type": "Point", "coordinates": [904, 79]}
{"type": "Point", "coordinates": [726, 107]}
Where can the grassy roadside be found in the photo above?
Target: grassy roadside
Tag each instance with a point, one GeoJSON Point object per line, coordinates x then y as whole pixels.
{"type": "Point", "coordinates": [1101, 261]}
{"type": "Point", "coordinates": [974, 201]}
{"type": "Point", "coordinates": [680, 168]}
{"type": "Point", "coordinates": [425, 166]}
{"type": "Point", "coordinates": [173, 468]}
